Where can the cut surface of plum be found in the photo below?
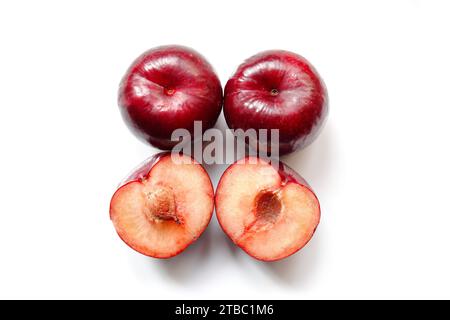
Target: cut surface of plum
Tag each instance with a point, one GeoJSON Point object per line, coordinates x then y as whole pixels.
{"type": "Point", "coordinates": [269, 212]}
{"type": "Point", "coordinates": [164, 206]}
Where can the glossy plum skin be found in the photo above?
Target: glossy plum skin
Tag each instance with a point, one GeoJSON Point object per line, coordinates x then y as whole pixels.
{"type": "Point", "coordinates": [168, 88]}
{"type": "Point", "coordinates": [143, 169]}
{"type": "Point", "coordinates": [277, 90]}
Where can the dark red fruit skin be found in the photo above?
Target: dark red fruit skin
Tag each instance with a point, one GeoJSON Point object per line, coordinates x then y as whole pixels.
{"type": "Point", "coordinates": [143, 169]}
{"type": "Point", "coordinates": [168, 88]}
{"type": "Point", "coordinates": [277, 90]}
{"type": "Point", "coordinates": [287, 175]}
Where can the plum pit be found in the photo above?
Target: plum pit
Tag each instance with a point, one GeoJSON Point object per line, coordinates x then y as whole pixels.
{"type": "Point", "coordinates": [267, 206]}
{"type": "Point", "coordinates": [160, 205]}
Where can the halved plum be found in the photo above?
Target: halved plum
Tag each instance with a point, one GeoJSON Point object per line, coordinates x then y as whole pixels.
{"type": "Point", "coordinates": [269, 211]}
{"type": "Point", "coordinates": [163, 206]}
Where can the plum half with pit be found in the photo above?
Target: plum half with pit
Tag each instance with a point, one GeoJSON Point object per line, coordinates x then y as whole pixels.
{"type": "Point", "coordinates": [163, 205]}
{"type": "Point", "coordinates": [268, 210]}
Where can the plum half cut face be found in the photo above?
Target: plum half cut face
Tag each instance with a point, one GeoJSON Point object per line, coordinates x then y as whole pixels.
{"type": "Point", "coordinates": [163, 206]}
{"type": "Point", "coordinates": [269, 212]}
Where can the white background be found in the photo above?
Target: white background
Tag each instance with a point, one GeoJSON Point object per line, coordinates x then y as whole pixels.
{"type": "Point", "coordinates": [380, 167]}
